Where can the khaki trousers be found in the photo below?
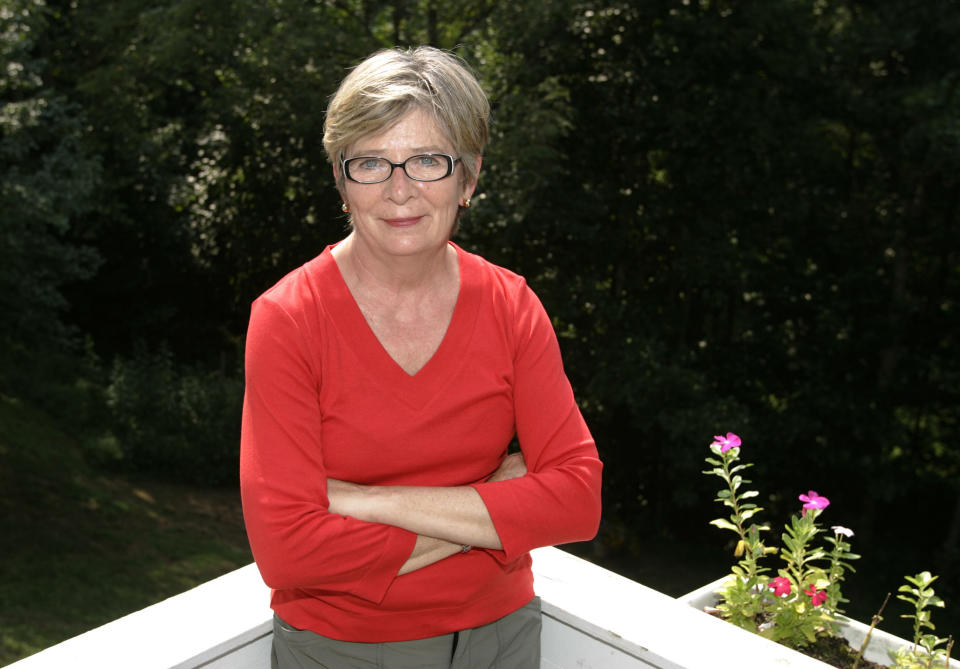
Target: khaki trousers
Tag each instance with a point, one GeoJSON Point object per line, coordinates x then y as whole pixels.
{"type": "Point", "coordinates": [512, 642]}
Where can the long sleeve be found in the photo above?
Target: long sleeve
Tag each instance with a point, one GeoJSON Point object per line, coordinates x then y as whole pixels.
{"type": "Point", "coordinates": [558, 501]}
{"type": "Point", "coordinates": [296, 541]}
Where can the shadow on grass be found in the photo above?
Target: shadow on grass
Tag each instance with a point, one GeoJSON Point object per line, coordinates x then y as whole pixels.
{"type": "Point", "coordinates": [81, 548]}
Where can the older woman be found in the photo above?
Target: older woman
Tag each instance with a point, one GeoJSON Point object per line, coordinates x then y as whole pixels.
{"type": "Point", "coordinates": [386, 379]}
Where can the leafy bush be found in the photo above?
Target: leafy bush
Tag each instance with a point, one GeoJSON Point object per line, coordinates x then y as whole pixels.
{"type": "Point", "coordinates": [63, 378]}
{"type": "Point", "coordinates": [173, 419]}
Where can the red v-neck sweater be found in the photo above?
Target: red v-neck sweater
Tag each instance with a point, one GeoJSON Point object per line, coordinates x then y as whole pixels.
{"type": "Point", "coordinates": [324, 399]}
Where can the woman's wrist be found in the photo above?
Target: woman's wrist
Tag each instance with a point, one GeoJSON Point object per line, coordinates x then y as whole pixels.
{"type": "Point", "coordinates": [352, 499]}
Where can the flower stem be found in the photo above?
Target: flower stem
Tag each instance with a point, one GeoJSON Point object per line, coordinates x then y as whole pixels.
{"type": "Point", "coordinates": [749, 558]}
{"type": "Point", "coordinates": [873, 623]}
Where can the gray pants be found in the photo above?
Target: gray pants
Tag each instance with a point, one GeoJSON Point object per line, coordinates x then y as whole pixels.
{"type": "Point", "coordinates": [512, 642]}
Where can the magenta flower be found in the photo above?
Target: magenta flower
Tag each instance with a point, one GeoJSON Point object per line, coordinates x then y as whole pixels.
{"type": "Point", "coordinates": [813, 501]}
{"type": "Point", "coordinates": [726, 443]}
{"type": "Point", "coordinates": [817, 597]}
{"type": "Point", "coordinates": [780, 586]}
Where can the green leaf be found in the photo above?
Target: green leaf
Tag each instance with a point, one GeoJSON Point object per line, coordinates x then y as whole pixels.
{"type": "Point", "coordinates": [724, 524]}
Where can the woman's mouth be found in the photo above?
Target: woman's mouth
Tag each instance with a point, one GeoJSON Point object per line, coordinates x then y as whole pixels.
{"type": "Point", "coordinates": [403, 222]}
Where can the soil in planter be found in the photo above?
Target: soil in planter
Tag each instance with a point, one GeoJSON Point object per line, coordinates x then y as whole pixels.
{"type": "Point", "coordinates": [833, 650]}
{"type": "Point", "coordinates": [836, 652]}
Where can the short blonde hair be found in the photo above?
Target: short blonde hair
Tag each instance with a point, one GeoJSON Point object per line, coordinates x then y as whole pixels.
{"type": "Point", "coordinates": [387, 85]}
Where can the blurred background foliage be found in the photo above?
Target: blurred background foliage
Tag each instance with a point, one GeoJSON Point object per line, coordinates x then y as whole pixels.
{"type": "Point", "coordinates": [742, 216]}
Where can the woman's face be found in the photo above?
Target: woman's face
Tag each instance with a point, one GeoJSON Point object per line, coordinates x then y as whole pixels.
{"type": "Point", "coordinates": [401, 216]}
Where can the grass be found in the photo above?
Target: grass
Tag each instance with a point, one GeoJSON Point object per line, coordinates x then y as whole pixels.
{"type": "Point", "coordinates": [82, 547]}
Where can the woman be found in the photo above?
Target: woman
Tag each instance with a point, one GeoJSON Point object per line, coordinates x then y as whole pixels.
{"type": "Point", "coordinates": [385, 380]}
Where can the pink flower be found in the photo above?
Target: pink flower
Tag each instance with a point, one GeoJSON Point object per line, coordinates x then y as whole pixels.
{"type": "Point", "coordinates": [817, 597]}
{"type": "Point", "coordinates": [780, 586]}
{"type": "Point", "coordinates": [726, 443]}
{"type": "Point", "coordinates": [813, 501]}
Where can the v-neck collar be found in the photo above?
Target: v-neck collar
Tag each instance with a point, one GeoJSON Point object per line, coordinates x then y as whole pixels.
{"type": "Point", "coordinates": [418, 389]}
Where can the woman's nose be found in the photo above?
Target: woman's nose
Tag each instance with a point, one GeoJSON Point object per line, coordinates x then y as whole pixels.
{"type": "Point", "coordinates": [400, 185]}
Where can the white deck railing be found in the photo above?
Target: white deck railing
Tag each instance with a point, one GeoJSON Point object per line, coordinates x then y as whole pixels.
{"type": "Point", "coordinates": [592, 619]}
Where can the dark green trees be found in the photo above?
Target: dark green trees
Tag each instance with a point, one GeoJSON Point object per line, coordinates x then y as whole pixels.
{"type": "Point", "coordinates": [743, 216]}
{"type": "Point", "coordinates": [47, 180]}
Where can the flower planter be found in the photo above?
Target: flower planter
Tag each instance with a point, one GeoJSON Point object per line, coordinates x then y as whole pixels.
{"type": "Point", "coordinates": [854, 631]}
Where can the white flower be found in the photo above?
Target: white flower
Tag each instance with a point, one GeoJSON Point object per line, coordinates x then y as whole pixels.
{"type": "Point", "coordinates": [840, 529]}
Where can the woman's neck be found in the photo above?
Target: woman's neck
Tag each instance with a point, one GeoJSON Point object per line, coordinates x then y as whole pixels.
{"type": "Point", "coordinates": [397, 275]}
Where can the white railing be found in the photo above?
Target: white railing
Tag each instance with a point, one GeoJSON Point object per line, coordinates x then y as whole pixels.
{"type": "Point", "coordinates": [592, 619]}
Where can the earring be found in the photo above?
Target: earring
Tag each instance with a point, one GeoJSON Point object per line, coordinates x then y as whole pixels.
{"type": "Point", "coordinates": [344, 208]}
{"type": "Point", "coordinates": [466, 203]}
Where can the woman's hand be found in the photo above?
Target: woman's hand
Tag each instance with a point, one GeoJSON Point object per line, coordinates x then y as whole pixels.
{"type": "Point", "coordinates": [512, 467]}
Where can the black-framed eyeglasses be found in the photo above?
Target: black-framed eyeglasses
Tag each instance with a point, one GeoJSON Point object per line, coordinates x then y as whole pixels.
{"type": "Point", "coordinates": [422, 167]}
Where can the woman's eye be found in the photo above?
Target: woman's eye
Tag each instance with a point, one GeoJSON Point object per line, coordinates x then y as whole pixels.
{"type": "Point", "coordinates": [368, 164]}
{"type": "Point", "coordinates": [427, 161]}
